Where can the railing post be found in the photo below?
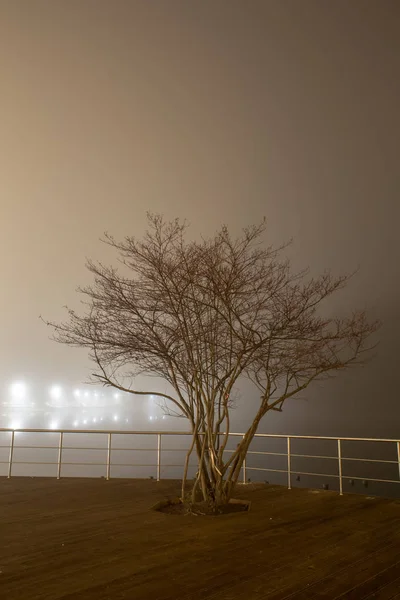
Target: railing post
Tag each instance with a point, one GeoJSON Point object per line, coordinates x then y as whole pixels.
{"type": "Point", "coordinates": [60, 448]}
{"type": "Point", "coordinates": [158, 457]}
{"type": "Point", "coordinates": [289, 467]}
{"type": "Point", "coordinates": [11, 454]}
{"type": "Point", "coordinates": [398, 456]}
{"type": "Point", "coordinates": [109, 457]}
{"type": "Point", "coordinates": [244, 469]}
{"type": "Point", "coordinates": [339, 451]}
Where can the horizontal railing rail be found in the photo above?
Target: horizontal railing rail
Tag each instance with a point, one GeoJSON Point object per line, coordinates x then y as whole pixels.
{"type": "Point", "coordinates": [339, 457]}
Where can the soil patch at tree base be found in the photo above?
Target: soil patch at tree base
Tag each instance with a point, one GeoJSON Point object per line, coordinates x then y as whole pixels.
{"type": "Point", "coordinates": [174, 506]}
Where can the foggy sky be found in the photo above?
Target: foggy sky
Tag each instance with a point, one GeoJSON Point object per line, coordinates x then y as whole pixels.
{"type": "Point", "coordinates": [218, 111]}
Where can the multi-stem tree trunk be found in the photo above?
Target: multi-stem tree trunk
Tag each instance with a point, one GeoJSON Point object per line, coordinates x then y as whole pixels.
{"type": "Point", "coordinates": [213, 483]}
{"type": "Point", "coordinates": [216, 478]}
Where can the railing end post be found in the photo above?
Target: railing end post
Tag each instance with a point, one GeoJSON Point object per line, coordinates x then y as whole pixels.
{"type": "Point", "coordinates": [244, 468]}
{"type": "Point", "coordinates": [108, 471]}
{"type": "Point", "coordinates": [10, 460]}
{"type": "Point", "coordinates": [289, 468]}
{"type": "Point", "coordinates": [60, 449]}
{"type": "Point", "coordinates": [339, 443]}
{"type": "Point", "coordinates": [158, 456]}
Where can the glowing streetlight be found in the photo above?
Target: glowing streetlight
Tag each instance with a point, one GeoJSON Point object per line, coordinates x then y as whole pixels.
{"type": "Point", "coordinates": [56, 392]}
{"type": "Point", "coordinates": [18, 390]}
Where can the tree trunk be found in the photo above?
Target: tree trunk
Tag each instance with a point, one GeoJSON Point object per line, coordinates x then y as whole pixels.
{"type": "Point", "coordinates": [212, 484]}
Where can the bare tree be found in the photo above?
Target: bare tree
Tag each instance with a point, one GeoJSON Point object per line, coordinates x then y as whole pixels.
{"type": "Point", "coordinates": [202, 315]}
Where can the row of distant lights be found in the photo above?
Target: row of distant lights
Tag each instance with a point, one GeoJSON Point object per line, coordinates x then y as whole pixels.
{"type": "Point", "coordinates": [94, 420]}
{"type": "Point", "coordinates": [115, 418]}
{"type": "Point", "coordinates": [55, 424]}
{"type": "Point", "coordinates": [56, 392]}
{"type": "Point", "coordinates": [19, 391]}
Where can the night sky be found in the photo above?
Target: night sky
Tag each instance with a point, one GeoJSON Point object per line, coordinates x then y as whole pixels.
{"type": "Point", "coordinates": [217, 111]}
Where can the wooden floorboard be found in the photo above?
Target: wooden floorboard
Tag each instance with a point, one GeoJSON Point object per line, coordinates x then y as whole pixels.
{"type": "Point", "coordinates": [389, 591]}
{"type": "Point", "coordinates": [92, 539]}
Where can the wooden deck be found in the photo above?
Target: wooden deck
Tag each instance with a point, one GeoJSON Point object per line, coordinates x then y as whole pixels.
{"type": "Point", "coordinates": [93, 539]}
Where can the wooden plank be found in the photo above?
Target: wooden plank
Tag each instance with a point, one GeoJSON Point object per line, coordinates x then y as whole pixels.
{"type": "Point", "coordinates": [374, 583]}
{"type": "Point", "coordinates": [389, 591]}
{"type": "Point", "coordinates": [344, 583]}
{"type": "Point", "coordinates": [285, 580]}
{"type": "Point", "coordinates": [93, 539]}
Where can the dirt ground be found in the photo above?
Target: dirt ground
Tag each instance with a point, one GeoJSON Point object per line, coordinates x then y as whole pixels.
{"type": "Point", "coordinates": [93, 539]}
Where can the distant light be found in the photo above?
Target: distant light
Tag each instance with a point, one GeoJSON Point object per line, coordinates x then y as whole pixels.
{"type": "Point", "coordinates": [76, 423]}
{"type": "Point", "coordinates": [151, 418]}
{"type": "Point", "coordinates": [85, 421]}
{"type": "Point", "coordinates": [151, 397]}
{"type": "Point", "coordinates": [96, 395]}
{"type": "Point", "coordinates": [56, 392]}
{"type": "Point", "coordinates": [101, 418]}
{"type": "Point", "coordinates": [164, 417]}
{"type": "Point", "coordinates": [116, 395]}
{"type": "Point", "coordinates": [126, 420]}
{"type": "Point", "coordinates": [53, 425]}
{"type": "Point", "coordinates": [115, 417]}
{"type": "Point", "coordinates": [15, 425]}
{"type": "Point", "coordinates": [18, 390]}
{"type": "Point", "coordinates": [77, 393]}
{"type": "Point", "coordinates": [94, 419]}
{"type": "Point", "coordinates": [86, 394]}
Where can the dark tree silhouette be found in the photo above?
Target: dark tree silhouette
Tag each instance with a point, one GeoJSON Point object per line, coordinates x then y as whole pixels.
{"type": "Point", "coordinates": [201, 315]}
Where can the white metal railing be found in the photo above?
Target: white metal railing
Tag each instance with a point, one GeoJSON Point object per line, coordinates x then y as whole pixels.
{"type": "Point", "coordinates": [339, 457]}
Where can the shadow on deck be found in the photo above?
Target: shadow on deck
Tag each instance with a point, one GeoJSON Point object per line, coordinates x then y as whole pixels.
{"type": "Point", "coordinates": [93, 539]}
